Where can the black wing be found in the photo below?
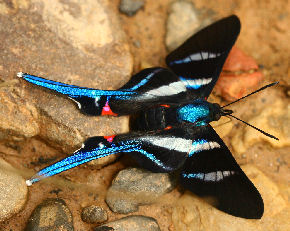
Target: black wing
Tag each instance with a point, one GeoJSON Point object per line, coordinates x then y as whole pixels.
{"type": "Point", "coordinates": [149, 87]}
{"type": "Point", "coordinates": [211, 171]}
{"type": "Point", "coordinates": [199, 60]}
{"type": "Point", "coordinates": [163, 151]}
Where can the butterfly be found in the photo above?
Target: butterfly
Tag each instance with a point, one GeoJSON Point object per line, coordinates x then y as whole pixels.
{"type": "Point", "coordinates": [170, 118]}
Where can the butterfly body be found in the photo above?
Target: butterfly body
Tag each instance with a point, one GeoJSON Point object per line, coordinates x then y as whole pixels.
{"type": "Point", "coordinates": [170, 118]}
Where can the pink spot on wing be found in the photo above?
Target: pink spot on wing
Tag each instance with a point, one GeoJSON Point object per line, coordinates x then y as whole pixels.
{"type": "Point", "coordinates": [109, 138]}
{"type": "Point", "coordinates": [107, 110]}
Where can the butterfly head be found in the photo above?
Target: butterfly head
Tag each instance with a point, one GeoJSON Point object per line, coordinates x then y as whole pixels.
{"type": "Point", "coordinates": [217, 112]}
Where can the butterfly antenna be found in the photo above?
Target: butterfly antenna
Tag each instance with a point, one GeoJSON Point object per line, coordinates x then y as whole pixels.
{"type": "Point", "coordinates": [265, 133]}
{"type": "Point", "coordinates": [262, 88]}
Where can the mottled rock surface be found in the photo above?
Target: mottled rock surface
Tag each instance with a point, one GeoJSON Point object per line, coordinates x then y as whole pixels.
{"type": "Point", "coordinates": [130, 7]}
{"type": "Point", "coordinates": [74, 42]}
{"type": "Point", "coordinates": [51, 214]}
{"type": "Point", "coordinates": [131, 223]}
{"type": "Point", "coordinates": [274, 118]}
{"type": "Point", "coordinates": [191, 213]}
{"type": "Point", "coordinates": [94, 214]}
{"type": "Point", "coordinates": [13, 191]}
{"type": "Point", "coordinates": [133, 187]}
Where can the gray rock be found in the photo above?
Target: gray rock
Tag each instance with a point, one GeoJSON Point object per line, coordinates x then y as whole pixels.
{"type": "Point", "coordinates": [130, 7]}
{"type": "Point", "coordinates": [131, 223]}
{"type": "Point", "coordinates": [94, 214]}
{"type": "Point", "coordinates": [51, 214]}
{"type": "Point", "coordinates": [64, 41]}
{"type": "Point", "coordinates": [133, 187]}
{"type": "Point", "coordinates": [13, 191]}
{"type": "Point", "coordinates": [183, 21]}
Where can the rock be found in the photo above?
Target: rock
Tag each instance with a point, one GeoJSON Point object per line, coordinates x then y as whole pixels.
{"type": "Point", "coordinates": [240, 76]}
{"type": "Point", "coordinates": [130, 7]}
{"type": "Point", "coordinates": [61, 41]}
{"type": "Point", "coordinates": [184, 20]}
{"type": "Point", "coordinates": [191, 213]}
{"type": "Point", "coordinates": [223, 126]}
{"type": "Point", "coordinates": [133, 187]}
{"type": "Point", "coordinates": [51, 214]}
{"type": "Point", "coordinates": [94, 214]}
{"type": "Point", "coordinates": [274, 118]}
{"type": "Point", "coordinates": [13, 191]}
{"type": "Point", "coordinates": [131, 223]}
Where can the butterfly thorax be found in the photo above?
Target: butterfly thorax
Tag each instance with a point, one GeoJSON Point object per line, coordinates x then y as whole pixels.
{"type": "Point", "coordinates": [199, 112]}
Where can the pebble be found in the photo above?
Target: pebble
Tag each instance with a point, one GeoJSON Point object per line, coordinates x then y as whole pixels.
{"type": "Point", "coordinates": [131, 223]}
{"type": "Point", "coordinates": [191, 213]}
{"type": "Point", "coordinates": [13, 191]}
{"type": "Point", "coordinates": [94, 214]}
{"type": "Point", "coordinates": [182, 22]}
{"type": "Point", "coordinates": [133, 187]}
{"type": "Point", "coordinates": [130, 7]}
{"type": "Point", "coordinates": [51, 214]}
{"type": "Point", "coordinates": [240, 76]}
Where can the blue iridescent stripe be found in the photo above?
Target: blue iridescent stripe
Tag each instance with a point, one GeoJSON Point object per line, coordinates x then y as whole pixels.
{"type": "Point", "coordinates": [188, 85]}
{"type": "Point", "coordinates": [193, 175]}
{"type": "Point", "coordinates": [71, 90]}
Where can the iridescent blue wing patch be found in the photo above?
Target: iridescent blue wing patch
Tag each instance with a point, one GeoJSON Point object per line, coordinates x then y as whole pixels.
{"type": "Point", "coordinates": [210, 171]}
{"type": "Point", "coordinates": [199, 60]}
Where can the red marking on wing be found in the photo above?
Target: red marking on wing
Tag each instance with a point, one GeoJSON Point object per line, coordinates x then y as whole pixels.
{"type": "Point", "coordinates": [165, 105]}
{"type": "Point", "coordinates": [109, 138]}
{"type": "Point", "coordinates": [107, 110]}
{"type": "Point", "coordinates": [168, 127]}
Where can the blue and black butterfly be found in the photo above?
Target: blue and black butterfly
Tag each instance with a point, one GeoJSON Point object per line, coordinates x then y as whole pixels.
{"type": "Point", "coordinates": [170, 119]}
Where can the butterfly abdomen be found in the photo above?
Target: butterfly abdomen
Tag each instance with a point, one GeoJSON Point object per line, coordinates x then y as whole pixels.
{"type": "Point", "coordinates": [156, 118]}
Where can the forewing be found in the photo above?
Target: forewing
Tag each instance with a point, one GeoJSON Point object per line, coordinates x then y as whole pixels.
{"type": "Point", "coordinates": [199, 60]}
{"type": "Point", "coordinates": [211, 171]}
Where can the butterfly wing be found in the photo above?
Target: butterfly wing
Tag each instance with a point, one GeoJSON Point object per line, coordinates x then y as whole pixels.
{"type": "Point", "coordinates": [149, 87]}
{"type": "Point", "coordinates": [211, 171]}
{"type": "Point", "coordinates": [155, 151]}
{"type": "Point", "coordinates": [199, 60]}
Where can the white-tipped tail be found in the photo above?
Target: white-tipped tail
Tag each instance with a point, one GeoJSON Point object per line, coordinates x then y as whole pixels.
{"type": "Point", "coordinates": [20, 74]}
{"type": "Point", "coordinates": [28, 182]}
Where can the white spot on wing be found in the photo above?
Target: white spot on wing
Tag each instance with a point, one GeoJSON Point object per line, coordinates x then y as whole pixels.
{"type": "Point", "coordinates": [198, 147]}
{"type": "Point", "coordinates": [28, 183]}
{"type": "Point", "coordinates": [20, 74]}
{"type": "Point", "coordinates": [78, 103]}
{"type": "Point", "coordinates": [171, 143]}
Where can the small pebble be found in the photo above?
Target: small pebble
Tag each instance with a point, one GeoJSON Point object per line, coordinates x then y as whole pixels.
{"type": "Point", "coordinates": [130, 7]}
{"type": "Point", "coordinates": [133, 187]}
{"type": "Point", "coordinates": [94, 214]}
{"type": "Point", "coordinates": [131, 223]}
{"type": "Point", "coordinates": [51, 214]}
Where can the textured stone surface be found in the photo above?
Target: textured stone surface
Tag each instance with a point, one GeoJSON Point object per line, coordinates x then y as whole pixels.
{"type": "Point", "coordinates": [191, 213]}
{"type": "Point", "coordinates": [13, 191]}
{"type": "Point", "coordinates": [51, 214]}
{"type": "Point", "coordinates": [133, 187]}
{"type": "Point", "coordinates": [274, 119]}
{"type": "Point", "coordinates": [130, 7]}
{"type": "Point", "coordinates": [240, 76]}
{"type": "Point", "coordinates": [131, 223]}
{"type": "Point", "coordinates": [66, 41]}
{"type": "Point", "coordinates": [94, 214]}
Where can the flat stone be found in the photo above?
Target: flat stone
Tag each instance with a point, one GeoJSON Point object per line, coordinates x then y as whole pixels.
{"type": "Point", "coordinates": [66, 41]}
{"type": "Point", "coordinates": [51, 214]}
{"type": "Point", "coordinates": [133, 187]}
{"type": "Point", "coordinates": [94, 214]}
{"type": "Point", "coordinates": [191, 213]}
{"type": "Point", "coordinates": [130, 7]}
{"type": "Point", "coordinates": [13, 191]}
{"type": "Point", "coordinates": [131, 223]}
